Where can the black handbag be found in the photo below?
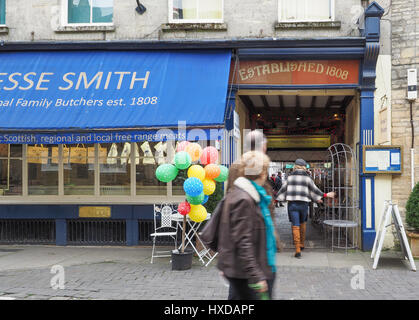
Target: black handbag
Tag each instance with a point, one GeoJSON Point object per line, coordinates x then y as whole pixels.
{"type": "Point", "coordinates": [209, 234]}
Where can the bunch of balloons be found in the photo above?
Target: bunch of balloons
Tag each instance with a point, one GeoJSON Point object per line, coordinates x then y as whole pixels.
{"type": "Point", "coordinates": [202, 178]}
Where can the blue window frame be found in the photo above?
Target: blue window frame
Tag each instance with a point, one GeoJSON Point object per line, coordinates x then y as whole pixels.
{"type": "Point", "coordinates": [2, 11]}
{"type": "Point", "coordinates": [90, 11]}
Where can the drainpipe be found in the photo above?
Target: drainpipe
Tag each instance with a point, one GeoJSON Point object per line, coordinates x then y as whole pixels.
{"type": "Point", "coordinates": [412, 149]}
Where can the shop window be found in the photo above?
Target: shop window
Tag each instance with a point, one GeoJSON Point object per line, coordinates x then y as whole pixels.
{"type": "Point", "coordinates": [305, 10]}
{"type": "Point", "coordinates": [115, 168]}
{"type": "Point", "coordinates": [10, 170]}
{"type": "Point", "coordinates": [2, 12]}
{"type": "Point", "coordinates": [79, 169]}
{"type": "Point", "coordinates": [88, 11]}
{"type": "Point", "coordinates": [148, 156]}
{"type": "Point", "coordinates": [42, 169]}
{"type": "Point", "coordinates": [196, 11]}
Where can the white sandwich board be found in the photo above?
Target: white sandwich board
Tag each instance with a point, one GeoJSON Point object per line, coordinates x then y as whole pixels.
{"type": "Point", "coordinates": [391, 211]}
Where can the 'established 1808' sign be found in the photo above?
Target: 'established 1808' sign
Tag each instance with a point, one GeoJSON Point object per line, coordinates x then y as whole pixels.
{"type": "Point", "coordinates": [297, 72]}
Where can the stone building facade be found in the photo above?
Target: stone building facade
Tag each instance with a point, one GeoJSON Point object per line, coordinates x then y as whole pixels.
{"type": "Point", "coordinates": [42, 20]}
{"type": "Point", "coordinates": [42, 24]}
{"type": "Point", "coordinates": [405, 55]}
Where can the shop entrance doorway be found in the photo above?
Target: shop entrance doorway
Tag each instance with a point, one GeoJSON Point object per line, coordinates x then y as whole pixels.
{"type": "Point", "coordinates": [302, 124]}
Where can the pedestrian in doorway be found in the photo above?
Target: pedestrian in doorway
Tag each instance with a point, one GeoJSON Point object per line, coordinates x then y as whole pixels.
{"type": "Point", "coordinates": [272, 181]}
{"type": "Point", "coordinates": [277, 187]}
{"type": "Point", "coordinates": [299, 190]}
{"type": "Point", "coordinates": [257, 141]}
{"type": "Point", "coordinates": [246, 243]}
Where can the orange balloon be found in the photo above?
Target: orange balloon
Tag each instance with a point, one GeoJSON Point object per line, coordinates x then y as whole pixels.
{"type": "Point", "coordinates": [212, 171]}
{"type": "Point", "coordinates": [194, 150]}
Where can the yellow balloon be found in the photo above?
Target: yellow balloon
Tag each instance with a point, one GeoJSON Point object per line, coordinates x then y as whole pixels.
{"type": "Point", "coordinates": [198, 213]}
{"type": "Point", "coordinates": [209, 186]}
{"type": "Point", "coordinates": [194, 150]}
{"type": "Point", "coordinates": [196, 171]}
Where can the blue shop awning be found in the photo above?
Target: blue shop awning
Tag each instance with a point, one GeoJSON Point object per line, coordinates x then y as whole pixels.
{"type": "Point", "coordinates": [78, 91]}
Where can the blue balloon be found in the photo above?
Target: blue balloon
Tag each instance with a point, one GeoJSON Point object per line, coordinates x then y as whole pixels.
{"type": "Point", "coordinates": [193, 187]}
{"type": "Point", "coordinates": [205, 199]}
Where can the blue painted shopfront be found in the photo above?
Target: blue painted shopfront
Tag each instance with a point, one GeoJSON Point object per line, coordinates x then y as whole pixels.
{"type": "Point", "coordinates": [185, 82]}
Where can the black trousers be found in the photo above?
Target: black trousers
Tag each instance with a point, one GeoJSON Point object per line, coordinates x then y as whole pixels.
{"type": "Point", "coordinates": [239, 289]}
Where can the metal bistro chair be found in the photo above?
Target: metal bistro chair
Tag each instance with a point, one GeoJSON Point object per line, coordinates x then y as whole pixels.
{"type": "Point", "coordinates": [165, 229]}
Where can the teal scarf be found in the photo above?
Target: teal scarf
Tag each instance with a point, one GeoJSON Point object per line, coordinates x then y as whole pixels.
{"type": "Point", "coordinates": [265, 200]}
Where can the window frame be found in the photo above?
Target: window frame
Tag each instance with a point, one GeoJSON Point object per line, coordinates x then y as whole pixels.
{"type": "Point", "coordinates": [64, 17]}
{"type": "Point", "coordinates": [189, 21]}
{"type": "Point", "coordinates": [331, 12]}
{"type": "Point", "coordinates": [61, 198]}
{"type": "Point", "coordinates": [5, 13]}
{"type": "Point", "coordinates": [9, 158]}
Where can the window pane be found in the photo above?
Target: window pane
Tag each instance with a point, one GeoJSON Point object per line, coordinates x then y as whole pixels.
{"type": "Point", "coordinates": [42, 172]}
{"type": "Point", "coordinates": [210, 9]}
{"type": "Point", "coordinates": [289, 9]}
{"type": "Point", "coordinates": [318, 10]}
{"type": "Point", "coordinates": [102, 11]}
{"type": "Point", "coordinates": [148, 157]}
{"type": "Point", "coordinates": [78, 11]}
{"type": "Point", "coordinates": [10, 177]}
{"type": "Point", "coordinates": [184, 9]}
{"type": "Point", "coordinates": [177, 184]}
{"type": "Point", "coordinates": [4, 150]}
{"type": "Point", "coordinates": [303, 10]}
{"type": "Point", "coordinates": [15, 151]}
{"type": "Point", "coordinates": [115, 169]}
{"type": "Point", "coordinates": [2, 11]}
{"type": "Point", "coordinates": [79, 174]}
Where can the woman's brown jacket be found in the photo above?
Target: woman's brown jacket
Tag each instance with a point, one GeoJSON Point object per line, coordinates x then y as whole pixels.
{"type": "Point", "coordinates": [242, 235]}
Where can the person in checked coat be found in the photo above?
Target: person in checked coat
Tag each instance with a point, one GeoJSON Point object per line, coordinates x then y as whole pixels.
{"type": "Point", "coordinates": [299, 190]}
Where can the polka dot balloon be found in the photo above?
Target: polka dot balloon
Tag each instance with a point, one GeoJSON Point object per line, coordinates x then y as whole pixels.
{"type": "Point", "coordinates": [193, 187]}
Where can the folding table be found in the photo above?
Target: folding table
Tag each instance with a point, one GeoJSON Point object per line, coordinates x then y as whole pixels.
{"type": "Point", "coordinates": [205, 253]}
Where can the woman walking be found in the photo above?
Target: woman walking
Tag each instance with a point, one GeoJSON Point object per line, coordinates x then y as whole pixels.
{"type": "Point", "coordinates": [246, 244]}
{"type": "Point", "coordinates": [299, 190]}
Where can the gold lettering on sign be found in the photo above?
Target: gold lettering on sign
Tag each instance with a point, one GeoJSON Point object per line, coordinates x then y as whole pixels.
{"type": "Point", "coordinates": [94, 212]}
{"type": "Point", "coordinates": [252, 72]}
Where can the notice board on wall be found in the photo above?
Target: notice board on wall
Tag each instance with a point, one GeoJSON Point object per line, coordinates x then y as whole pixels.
{"type": "Point", "coordinates": [382, 159]}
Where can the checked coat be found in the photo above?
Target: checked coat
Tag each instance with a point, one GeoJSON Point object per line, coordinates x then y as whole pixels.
{"type": "Point", "coordinates": [299, 186]}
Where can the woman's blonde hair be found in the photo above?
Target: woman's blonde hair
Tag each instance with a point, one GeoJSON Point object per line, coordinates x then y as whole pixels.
{"type": "Point", "coordinates": [297, 167]}
{"type": "Point", "coordinates": [254, 164]}
{"type": "Point", "coordinates": [235, 171]}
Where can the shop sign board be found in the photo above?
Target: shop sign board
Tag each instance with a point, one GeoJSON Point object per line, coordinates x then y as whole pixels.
{"type": "Point", "coordinates": [382, 159]}
{"type": "Point", "coordinates": [110, 136]}
{"type": "Point", "coordinates": [92, 90]}
{"type": "Point", "coordinates": [299, 142]}
{"type": "Point", "coordinates": [94, 212]}
{"type": "Point", "coordinates": [297, 72]}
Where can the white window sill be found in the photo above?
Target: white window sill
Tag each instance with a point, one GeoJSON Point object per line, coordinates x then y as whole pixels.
{"type": "Point", "coordinates": [201, 26]}
{"type": "Point", "coordinates": [307, 25]}
{"type": "Point", "coordinates": [85, 28]}
{"type": "Point", "coordinates": [4, 29]}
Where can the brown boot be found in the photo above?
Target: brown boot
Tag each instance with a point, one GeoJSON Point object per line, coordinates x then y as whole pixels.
{"type": "Point", "coordinates": [302, 235]}
{"type": "Point", "coordinates": [296, 237]}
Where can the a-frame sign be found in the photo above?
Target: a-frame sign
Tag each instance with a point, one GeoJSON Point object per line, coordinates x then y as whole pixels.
{"type": "Point", "coordinates": [391, 211]}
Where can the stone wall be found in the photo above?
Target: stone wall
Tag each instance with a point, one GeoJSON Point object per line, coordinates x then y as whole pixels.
{"type": "Point", "coordinates": [40, 20]}
{"type": "Point", "coordinates": [405, 55]}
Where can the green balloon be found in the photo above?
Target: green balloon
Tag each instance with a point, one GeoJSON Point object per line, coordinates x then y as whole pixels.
{"type": "Point", "coordinates": [223, 174]}
{"type": "Point", "coordinates": [182, 160]}
{"type": "Point", "coordinates": [166, 172]}
{"type": "Point", "coordinates": [196, 200]}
